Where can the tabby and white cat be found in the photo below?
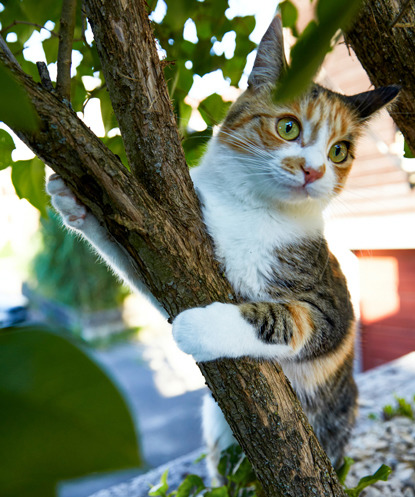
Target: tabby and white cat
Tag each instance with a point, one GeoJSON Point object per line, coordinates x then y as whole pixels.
{"type": "Point", "coordinates": [263, 184]}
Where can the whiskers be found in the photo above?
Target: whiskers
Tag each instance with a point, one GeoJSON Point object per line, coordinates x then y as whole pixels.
{"type": "Point", "coordinates": [247, 145]}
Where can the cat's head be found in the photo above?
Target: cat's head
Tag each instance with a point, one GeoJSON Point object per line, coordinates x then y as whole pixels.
{"type": "Point", "coordinates": [300, 151]}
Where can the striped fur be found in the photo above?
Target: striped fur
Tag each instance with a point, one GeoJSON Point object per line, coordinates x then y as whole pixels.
{"type": "Point", "coordinates": [262, 197]}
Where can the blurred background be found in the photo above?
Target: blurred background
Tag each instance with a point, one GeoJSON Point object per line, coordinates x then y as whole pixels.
{"type": "Point", "coordinates": [51, 277]}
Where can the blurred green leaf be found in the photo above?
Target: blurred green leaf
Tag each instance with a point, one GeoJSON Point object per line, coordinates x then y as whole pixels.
{"type": "Point", "coordinates": [213, 109]}
{"type": "Point", "coordinates": [66, 271]}
{"type": "Point", "coordinates": [28, 179]}
{"type": "Point", "coordinates": [312, 46]}
{"type": "Point", "coordinates": [408, 152]}
{"type": "Point", "coordinates": [116, 145]}
{"type": "Point", "coordinates": [15, 108]}
{"type": "Point", "coordinates": [50, 46]}
{"type": "Point", "coordinates": [160, 490]}
{"type": "Point", "coordinates": [289, 14]}
{"type": "Point", "coordinates": [6, 148]}
{"type": "Point", "coordinates": [217, 492]}
{"type": "Point", "coordinates": [194, 145]}
{"type": "Point", "coordinates": [183, 112]}
{"type": "Point", "coordinates": [344, 469]}
{"type": "Point", "coordinates": [107, 112]}
{"type": "Point", "coordinates": [382, 474]}
{"type": "Point", "coordinates": [190, 486]}
{"type": "Point", "coordinates": [61, 416]}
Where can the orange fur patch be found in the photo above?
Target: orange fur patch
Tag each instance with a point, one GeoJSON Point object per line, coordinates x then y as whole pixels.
{"type": "Point", "coordinates": [292, 164]}
{"type": "Point", "coordinates": [251, 124]}
{"type": "Point", "coordinates": [311, 374]}
{"type": "Point", "coordinates": [303, 324]}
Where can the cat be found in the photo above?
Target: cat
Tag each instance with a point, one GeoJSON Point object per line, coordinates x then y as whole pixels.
{"type": "Point", "coordinates": [263, 185]}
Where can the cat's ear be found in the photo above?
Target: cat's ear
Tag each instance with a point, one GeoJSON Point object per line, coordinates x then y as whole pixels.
{"type": "Point", "coordinates": [270, 59]}
{"type": "Point", "coordinates": [369, 102]}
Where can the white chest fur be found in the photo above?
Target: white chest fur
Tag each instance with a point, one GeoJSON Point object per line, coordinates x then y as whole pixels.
{"type": "Point", "coordinates": [247, 233]}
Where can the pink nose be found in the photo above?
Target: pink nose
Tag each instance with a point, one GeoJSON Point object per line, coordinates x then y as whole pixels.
{"type": "Point", "coordinates": [311, 174]}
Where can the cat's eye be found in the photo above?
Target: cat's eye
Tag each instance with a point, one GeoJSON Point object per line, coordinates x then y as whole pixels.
{"type": "Point", "coordinates": [338, 152]}
{"type": "Point", "coordinates": [288, 128]}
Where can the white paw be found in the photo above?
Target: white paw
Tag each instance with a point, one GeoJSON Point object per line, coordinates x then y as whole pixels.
{"type": "Point", "coordinates": [64, 201]}
{"type": "Point", "coordinates": [208, 333]}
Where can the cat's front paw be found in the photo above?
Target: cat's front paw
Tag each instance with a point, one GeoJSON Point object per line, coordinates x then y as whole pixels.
{"type": "Point", "coordinates": [65, 202]}
{"type": "Point", "coordinates": [212, 332]}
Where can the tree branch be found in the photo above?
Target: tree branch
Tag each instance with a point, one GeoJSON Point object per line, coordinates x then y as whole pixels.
{"type": "Point", "coordinates": [387, 53]}
{"type": "Point", "coordinates": [66, 34]}
{"type": "Point", "coordinates": [153, 214]}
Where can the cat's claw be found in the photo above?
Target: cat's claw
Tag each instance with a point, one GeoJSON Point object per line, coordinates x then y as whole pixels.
{"type": "Point", "coordinates": [65, 202]}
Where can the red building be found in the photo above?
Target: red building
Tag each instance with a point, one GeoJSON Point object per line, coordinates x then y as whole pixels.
{"type": "Point", "coordinates": [375, 218]}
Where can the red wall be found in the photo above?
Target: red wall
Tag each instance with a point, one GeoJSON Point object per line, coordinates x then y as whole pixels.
{"type": "Point", "coordinates": [387, 304]}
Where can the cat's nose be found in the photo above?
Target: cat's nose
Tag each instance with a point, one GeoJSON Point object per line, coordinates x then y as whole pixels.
{"type": "Point", "coordinates": [312, 174]}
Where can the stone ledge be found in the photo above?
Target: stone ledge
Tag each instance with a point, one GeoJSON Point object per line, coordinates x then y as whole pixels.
{"type": "Point", "coordinates": [372, 443]}
{"type": "Point", "coordinates": [178, 469]}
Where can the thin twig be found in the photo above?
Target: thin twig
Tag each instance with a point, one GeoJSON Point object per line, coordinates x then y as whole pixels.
{"type": "Point", "coordinates": [401, 13]}
{"type": "Point", "coordinates": [66, 35]}
{"type": "Point", "coordinates": [44, 76]}
{"type": "Point", "coordinates": [4, 47]}
{"type": "Point", "coordinates": [26, 23]}
{"type": "Point", "coordinates": [92, 94]}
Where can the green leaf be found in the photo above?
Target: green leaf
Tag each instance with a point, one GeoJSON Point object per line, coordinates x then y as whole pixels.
{"type": "Point", "coordinates": [311, 47]}
{"type": "Point", "coordinates": [381, 474]}
{"type": "Point", "coordinates": [190, 486]}
{"type": "Point", "coordinates": [213, 109]}
{"type": "Point", "coordinates": [344, 469]}
{"type": "Point", "coordinates": [217, 492]}
{"type": "Point", "coordinates": [15, 108]}
{"type": "Point", "coordinates": [160, 490]}
{"type": "Point", "coordinates": [61, 416]}
{"type": "Point", "coordinates": [230, 457]}
{"type": "Point", "coordinates": [289, 14]}
{"type": "Point", "coordinates": [408, 153]}
{"type": "Point", "coordinates": [107, 112]}
{"type": "Point", "coordinates": [50, 47]}
{"type": "Point", "coordinates": [28, 179]}
{"type": "Point", "coordinates": [116, 145]}
{"type": "Point", "coordinates": [6, 148]}
{"type": "Point", "coordinates": [404, 408]}
{"type": "Point", "coordinates": [194, 145]}
{"type": "Point", "coordinates": [243, 472]}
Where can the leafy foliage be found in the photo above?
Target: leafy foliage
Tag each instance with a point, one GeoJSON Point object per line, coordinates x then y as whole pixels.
{"type": "Point", "coordinates": [66, 270]}
{"type": "Point", "coordinates": [402, 408]}
{"type": "Point", "coordinates": [241, 480]}
{"type": "Point", "coordinates": [313, 44]}
{"type": "Point", "coordinates": [28, 178]}
{"type": "Point", "coordinates": [23, 114]}
{"type": "Point", "coordinates": [26, 18]}
{"type": "Point", "coordinates": [233, 466]}
{"type": "Point", "coordinates": [61, 416]}
{"type": "Point", "coordinates": [381, 474]}
{"type": "Point", "coordinates": [184, 59]}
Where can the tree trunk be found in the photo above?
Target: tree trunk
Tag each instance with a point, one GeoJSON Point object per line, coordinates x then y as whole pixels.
{"type": "Point", "coordinates": [153, 213]}
{"type": "Point", "coordinates": [383, 37]}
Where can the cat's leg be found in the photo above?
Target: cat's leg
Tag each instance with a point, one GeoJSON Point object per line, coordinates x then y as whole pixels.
{"type": "Point", "coordinates": [256, 329]}
{"type": "Point", "coordinates": [217, 435]}
{"type": "Point", "coordinates": [79, 219]}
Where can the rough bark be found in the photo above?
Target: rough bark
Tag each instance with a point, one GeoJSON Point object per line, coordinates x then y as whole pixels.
{"type": "Point", "coordinates": [66, 32]}
{"type": "Point", "coordinates": [383, 37]}
{"type": "Point", "coordinates": [153, 213]}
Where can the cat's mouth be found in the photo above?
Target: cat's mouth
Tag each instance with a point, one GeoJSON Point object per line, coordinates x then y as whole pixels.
{"type": "Point", "coordinates": [306, 191]}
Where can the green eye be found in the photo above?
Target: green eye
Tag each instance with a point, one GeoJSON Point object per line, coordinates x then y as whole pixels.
{"type": "Point", "coordinates": [338, 152]}
{"type": "Point", "coordinates": [288, 128]}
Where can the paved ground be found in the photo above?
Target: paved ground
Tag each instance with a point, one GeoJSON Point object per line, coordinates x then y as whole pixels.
{"type": "Point", "coordinates": [164, 389]}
